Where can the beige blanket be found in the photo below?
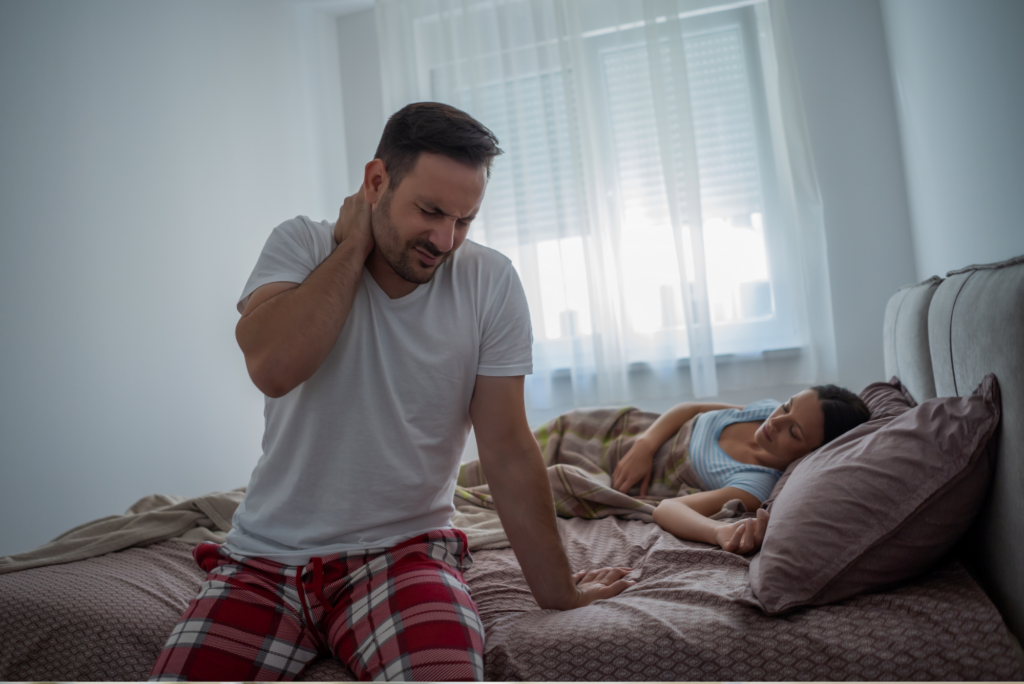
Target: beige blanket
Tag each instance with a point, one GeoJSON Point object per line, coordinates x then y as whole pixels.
{"type": "Point", "coordinates": [581, 450]}
{"type": "Point", "coordinates": [153, 519]}
{"type": "Point", "coordinates": [161, 517]}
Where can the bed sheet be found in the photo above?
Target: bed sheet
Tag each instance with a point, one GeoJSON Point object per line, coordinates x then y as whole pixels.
{"type": "Point", "coordinates": [106, 618]}
{"type": "Point", "coordinates": [681, 621]}
{"type": "Point", "coordinates": [103, 618]}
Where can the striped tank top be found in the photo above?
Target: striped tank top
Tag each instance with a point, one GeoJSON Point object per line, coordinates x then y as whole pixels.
{"type": "Point", "coordinates": [716, 468]}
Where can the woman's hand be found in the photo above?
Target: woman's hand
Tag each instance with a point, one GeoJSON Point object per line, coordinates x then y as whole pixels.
{"type": "Point", "coordinates": [744, 536]}
{"type": "Point", "coordinates": [634, 467]}
{"type": "Point", "coordinates": [600, 584]}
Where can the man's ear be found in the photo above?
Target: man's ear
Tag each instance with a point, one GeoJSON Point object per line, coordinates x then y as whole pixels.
{"type": "Point", "coordinates": [375, 180]}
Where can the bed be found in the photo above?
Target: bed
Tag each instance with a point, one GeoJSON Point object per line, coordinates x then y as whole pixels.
{"type": "Point", "coordinates": [689, 616]}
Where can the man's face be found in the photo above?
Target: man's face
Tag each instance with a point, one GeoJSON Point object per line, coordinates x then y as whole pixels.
{"type": "Point", "coordinates": [419, 225]}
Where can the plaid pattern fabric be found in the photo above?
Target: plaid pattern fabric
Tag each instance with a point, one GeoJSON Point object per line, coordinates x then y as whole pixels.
{"type": "Point", "coordinates": [389, 614]}
{"type": "Point", "coordinates": [581, 449]}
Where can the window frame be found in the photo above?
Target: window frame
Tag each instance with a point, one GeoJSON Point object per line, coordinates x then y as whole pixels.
{"type": "Point", "coordinates": [780, 331]}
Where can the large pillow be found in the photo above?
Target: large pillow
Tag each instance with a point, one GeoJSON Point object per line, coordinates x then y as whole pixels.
{"type": "Point", "coordinates": [886, 400]}
{"type": "Point", "coordinates": [879, 504]}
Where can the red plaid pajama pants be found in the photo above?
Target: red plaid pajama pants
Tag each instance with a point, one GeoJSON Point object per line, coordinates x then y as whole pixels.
{"type": "Point", "coordinates": [400, 614]}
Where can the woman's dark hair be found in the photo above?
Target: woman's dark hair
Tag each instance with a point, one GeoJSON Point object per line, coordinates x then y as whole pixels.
{"type": "Point", "coordinates": [434, 127]}
{"type": "Point", "coordinates": [843, 410]}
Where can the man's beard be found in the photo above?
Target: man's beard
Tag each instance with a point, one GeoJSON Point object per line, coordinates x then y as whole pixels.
{"type": "Point", "coordinates": [400, 256]}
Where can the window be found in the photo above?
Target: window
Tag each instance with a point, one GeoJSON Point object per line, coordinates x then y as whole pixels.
{"type": "Point", "coordinates": [643, 193]}
{"type": "Point", "coordinates": [734, 163]}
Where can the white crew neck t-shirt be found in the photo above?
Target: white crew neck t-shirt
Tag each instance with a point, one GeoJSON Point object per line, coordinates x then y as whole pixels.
{"type": "Point", "coordinates": [365, 453]}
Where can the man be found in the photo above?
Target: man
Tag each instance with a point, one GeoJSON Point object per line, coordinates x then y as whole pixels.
{"type": "Point", "coordinates": [378, 342]}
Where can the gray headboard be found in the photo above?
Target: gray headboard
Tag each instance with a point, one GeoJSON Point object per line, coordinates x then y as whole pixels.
{"type": "Point", "coordinates": [941, 337]}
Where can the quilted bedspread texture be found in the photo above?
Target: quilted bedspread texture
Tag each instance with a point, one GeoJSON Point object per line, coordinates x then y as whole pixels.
{"type": "Point", "coordinates": [106, 618]}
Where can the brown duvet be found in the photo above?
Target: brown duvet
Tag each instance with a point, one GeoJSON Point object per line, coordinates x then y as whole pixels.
{"type": "Point", "coordinates": [106, 618]}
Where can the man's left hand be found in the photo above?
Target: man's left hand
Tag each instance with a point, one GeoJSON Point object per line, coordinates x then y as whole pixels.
{"type": "Point", "coordinates": [600, 584]}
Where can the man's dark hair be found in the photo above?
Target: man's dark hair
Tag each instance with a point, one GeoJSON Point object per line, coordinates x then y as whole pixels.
{"type": "Point", "coordinates": [843, 410]}
{"type": "Point", "coordinates": [434, 127]}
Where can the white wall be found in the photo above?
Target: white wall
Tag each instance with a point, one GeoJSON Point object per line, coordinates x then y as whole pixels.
{"type": "Point", "coordinates": [146, 151]}
{"type": "Point", "coordinates": [360, 75]}
{"type": "Point", "coordinates": [959, 72]}
{"type": "Point", "coordinates": [845, 81]}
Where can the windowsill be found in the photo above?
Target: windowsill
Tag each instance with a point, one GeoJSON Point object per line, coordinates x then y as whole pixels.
{"type": "Point", "coordinates": [782, 353]}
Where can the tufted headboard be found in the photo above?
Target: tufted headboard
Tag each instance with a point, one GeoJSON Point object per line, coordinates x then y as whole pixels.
{"type": "Point", "coordinates": [941, 337]}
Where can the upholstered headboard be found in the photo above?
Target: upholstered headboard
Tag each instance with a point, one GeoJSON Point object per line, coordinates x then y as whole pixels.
{"type": "Point", "coordinates": [941, 337]}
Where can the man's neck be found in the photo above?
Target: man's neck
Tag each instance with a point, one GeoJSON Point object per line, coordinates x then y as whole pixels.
{"type": "Point", "coordinates": [393, 285]}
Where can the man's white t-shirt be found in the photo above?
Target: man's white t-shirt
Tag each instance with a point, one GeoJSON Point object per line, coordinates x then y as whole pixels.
{"type": "Point", "coordinates": [365, 453]}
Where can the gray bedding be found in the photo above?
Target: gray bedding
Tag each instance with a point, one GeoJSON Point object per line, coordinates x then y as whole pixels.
{"type": "Point", "coordinates": [106, 618]}
{"type": "Point", "coordinates": [680, 622]}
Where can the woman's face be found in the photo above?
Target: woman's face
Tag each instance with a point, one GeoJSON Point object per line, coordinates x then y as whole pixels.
{"type": "Point", "coordinates": [793, 430]}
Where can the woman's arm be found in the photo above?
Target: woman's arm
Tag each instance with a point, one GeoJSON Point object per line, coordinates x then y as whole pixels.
{"type": "Point", "coordinates": [635, 466]}
{"type": "Point", "coordinates": [686, 517]}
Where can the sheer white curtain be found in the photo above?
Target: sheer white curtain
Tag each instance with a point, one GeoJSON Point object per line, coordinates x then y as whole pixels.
{"type": "Point", "coordinates": [657, 195]}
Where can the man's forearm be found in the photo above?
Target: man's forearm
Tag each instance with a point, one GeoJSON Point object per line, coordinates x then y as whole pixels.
{"type": "Point", "coordinates": [522, 494]}
{"type": "Point", "coordinates": [286, 338]}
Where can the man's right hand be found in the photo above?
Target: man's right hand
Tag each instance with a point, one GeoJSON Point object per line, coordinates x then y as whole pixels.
{"type": "Point", "coordinates": [354, 223]}
{"type": "Point", "coordinates": [287, 329]}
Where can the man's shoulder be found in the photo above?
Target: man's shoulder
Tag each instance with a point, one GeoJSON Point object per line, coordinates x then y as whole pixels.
{"type": "Point", "coordinates": [473, 256]}
{"type": "Point", "coordinates": [479, 271]}
{"type": "Point", "coordinates": [303, 227]}
{"type": "Point", "coordinates": [304, 235]}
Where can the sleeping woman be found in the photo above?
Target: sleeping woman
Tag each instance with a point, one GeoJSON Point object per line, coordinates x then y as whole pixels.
{"type": "Point", "coordinates": [739, 453]}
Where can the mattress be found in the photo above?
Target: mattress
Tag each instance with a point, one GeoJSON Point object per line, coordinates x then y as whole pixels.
{"type": "Point", "coordinates": [106, 618]}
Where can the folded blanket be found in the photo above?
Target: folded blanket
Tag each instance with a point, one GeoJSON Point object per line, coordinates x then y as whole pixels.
{"type": "Point", "coordinates": [153, 519]}
{"type": "Point", "coordinates": [581, 449]}
{"type": "Point", "coordinates": [162, 517]}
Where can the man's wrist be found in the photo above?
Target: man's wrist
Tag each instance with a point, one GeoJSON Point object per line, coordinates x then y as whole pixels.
{"type": "Point", "coordinates": [350, 251]}
{"type": "Point", "coordinates": [566, 601]}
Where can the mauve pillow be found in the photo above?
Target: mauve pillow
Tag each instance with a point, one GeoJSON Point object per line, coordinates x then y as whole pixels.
{"type": "Point", "coordinates": [885, 401]}
{"type": "Point", "coordinates": [879, 504]}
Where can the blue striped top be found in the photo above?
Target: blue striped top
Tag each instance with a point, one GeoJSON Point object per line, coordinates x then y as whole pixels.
{"type": "Point", "coordinates": [716, 468]}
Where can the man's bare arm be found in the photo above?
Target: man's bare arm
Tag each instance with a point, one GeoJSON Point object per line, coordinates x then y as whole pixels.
{"type": "Point", "coordinates": [287, 330]}
{"type": "Point", "coordinates": [514, 468]}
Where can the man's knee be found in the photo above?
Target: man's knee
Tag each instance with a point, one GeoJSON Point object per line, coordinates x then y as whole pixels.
{"type": "Point", "coordinates": [225, 635]}
{"type": "Point", "coordinates": [421, 624]}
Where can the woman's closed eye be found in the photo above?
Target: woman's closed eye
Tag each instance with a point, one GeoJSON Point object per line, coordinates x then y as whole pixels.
{"type": "Point", "coordinates": [792, 428]}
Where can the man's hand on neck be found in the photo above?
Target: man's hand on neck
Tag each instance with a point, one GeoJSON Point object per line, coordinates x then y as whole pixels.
{"type": "Point", "coordinates": [353, 224]}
